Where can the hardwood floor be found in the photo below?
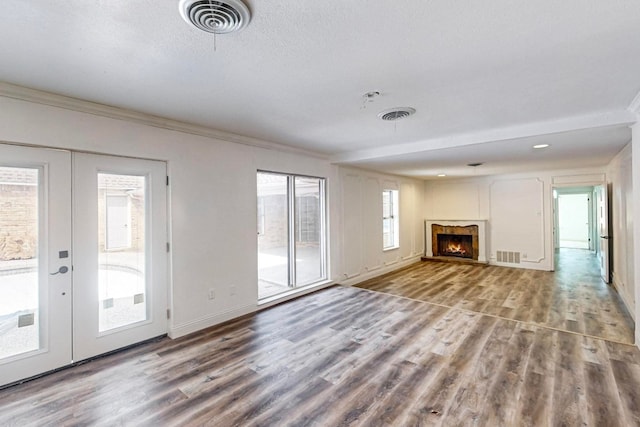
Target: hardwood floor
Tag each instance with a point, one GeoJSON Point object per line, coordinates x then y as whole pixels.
{"type": "Point", "coordinates": [573, 298]}
{"type": "Point", "coordinates": [348, 356]}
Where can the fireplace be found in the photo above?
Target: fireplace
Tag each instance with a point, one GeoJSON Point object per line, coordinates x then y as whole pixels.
{"type": "Point", "coordinates": [457, 245]}
{"type": "Point", "coordinates": [455, 241]}
{"type": "Point", "coordinates": [475, 229]}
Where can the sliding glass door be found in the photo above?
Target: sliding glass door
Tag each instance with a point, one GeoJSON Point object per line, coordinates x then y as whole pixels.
{"type": "Point", "coordinates": [309, 230]}
{"type": "Point", "coordinates": [291, 232]}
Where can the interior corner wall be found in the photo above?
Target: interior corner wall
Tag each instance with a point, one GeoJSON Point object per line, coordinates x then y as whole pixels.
{"type": "Point", "coordinates": [212, 200]}
{"type": "Point", "coordinates": [635, 167]}
{"type": "Point", "coordinates": [620, 181]}
{"type": "Point", "coordinates": [361, 228]}
{"type": "Point", "coordinates": [518, 207]}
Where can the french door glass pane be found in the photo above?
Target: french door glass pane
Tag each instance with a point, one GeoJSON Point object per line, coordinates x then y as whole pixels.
{"type": "Point", "coordinates": [19, 290]}
{"type": "Point", "coordinates": [308, 230]}
{"type": "Point", "coordinates": [273, 234]}
{"type": "Point", "coordinates": [121, 250]}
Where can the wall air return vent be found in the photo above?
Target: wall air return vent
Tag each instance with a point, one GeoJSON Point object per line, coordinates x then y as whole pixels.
{"type": "Point", "coordinates": [508, 257]}
{"type": "Point", "coordinates": [218, 17]}
{"type": "Point", "coordinates": [396, 113]}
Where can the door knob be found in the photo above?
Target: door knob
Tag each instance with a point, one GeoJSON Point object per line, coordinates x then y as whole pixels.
{"type": "Point", "coordinates": [61, 270]}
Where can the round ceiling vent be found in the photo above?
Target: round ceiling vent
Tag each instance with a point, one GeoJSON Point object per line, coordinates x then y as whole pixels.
{"type": "Point", "coordinates": [219, 17]}
{"type": "Point", "coordinates": [396, 113]}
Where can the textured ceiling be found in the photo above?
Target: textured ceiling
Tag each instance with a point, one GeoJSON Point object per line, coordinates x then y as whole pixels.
{"type": "Point", "coordinates": [477, 72]}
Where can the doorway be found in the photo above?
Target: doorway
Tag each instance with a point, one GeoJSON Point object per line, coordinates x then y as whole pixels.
{"type": "Point", "coordinates": [581, 221]}
{"type": "Point", "coordinates": [574, 225]}
{"type": "Point", "coordinates": [574, 221]}
{"type": "Point", "coordinates": [71, 286]}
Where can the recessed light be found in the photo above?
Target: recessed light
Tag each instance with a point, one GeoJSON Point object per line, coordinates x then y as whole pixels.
{"type": "Point", "coordinates": [442, 174]}
{"type": "Point", "coordinates": [541, 146]}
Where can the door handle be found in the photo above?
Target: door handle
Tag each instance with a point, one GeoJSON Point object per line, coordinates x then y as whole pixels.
{"type": "Point", "coordinates": [605, 237]}
{"type": "Point", "coordinates": [61, 270]}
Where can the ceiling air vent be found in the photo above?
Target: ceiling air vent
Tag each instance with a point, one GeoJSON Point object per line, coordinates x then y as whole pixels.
{"type": "Point", "coordinates": [219, 17]}
{"type": "Point", "coordinates": [396, 113]}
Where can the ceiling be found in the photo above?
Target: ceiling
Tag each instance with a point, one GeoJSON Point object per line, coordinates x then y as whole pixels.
{"type": "Point", "coordinates": [488, 79]}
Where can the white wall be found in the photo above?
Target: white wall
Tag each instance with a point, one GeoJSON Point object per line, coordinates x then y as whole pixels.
{"type": "Point", "coordinates": [635, 167]}
{"type": "Point", "coordinates": [212, 203]}
{"type": "Point", "coordinates": [361, 228]}
{"type": "Point", "coordinates": [213, 207]}
{"type": "Point", "coordinates": [619, 179]}
{"type": "Point", "coordinates": [518, 208]}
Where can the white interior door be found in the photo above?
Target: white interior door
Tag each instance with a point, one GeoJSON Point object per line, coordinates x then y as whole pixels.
{"type": "Point", "coordinates": [120, 270]}
{"type": "Point", "coordinates": [35, 261]}
{"type": "Point", "coordinates": [602, 206]}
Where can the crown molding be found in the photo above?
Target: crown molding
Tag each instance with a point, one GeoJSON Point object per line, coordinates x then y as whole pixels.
{"type": "Point", "coordinates": [634, 107]}
{"type": "Point", "coordinates": [22, 93]}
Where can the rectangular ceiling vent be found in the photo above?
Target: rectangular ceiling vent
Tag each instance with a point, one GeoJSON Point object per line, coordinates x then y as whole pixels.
{"type": "Point", "coordinates": [508, 257]}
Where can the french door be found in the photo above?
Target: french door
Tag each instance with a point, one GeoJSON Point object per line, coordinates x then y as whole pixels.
{"type": "Point", "coordinates": [120, 256]}
{"type": "Point", "coordinates": [35, 261]}
{"type": "Point", "coordinates": [65, 299]}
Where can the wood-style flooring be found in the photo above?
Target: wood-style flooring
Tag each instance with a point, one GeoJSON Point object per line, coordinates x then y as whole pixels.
{"type": "Point", "coordinates": [347, 356]}
{"type": "Point", "coordinates": [573, 298]}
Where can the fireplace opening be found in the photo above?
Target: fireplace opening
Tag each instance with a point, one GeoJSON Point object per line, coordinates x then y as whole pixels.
{"type": "Point", "coordinates": [455, 241]}
{"type": "Point", "coordinates": [455, 245]}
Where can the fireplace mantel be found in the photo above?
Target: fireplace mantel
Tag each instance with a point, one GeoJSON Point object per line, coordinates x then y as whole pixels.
{"type": "Point", "coordinates": [482, 233]}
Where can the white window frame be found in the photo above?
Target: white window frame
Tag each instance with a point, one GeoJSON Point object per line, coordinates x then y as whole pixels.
{"type": "Point", "coordinates": [393, 219]}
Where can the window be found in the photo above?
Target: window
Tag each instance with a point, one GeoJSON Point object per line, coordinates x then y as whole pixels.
{"type": "Point", "coordinates": [390, 223]}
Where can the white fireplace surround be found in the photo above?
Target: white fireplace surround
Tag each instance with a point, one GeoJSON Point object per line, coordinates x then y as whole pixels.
{"type": "Point", "coordinates": [482, 233]}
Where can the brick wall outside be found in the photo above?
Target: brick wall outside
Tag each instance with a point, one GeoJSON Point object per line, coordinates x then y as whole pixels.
{"type": "Point", "coordinates": [18, 221]}
{"type": "Point", "coordinates": [19, 211]}
{"type": "Point", "coordinates": [275, 222]}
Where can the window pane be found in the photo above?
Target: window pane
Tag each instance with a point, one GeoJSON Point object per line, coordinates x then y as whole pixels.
{"type": "Point", "coordinates": [19, 302]}
{"type": "Point", "coordinates": [390, 219]}
{"type": "Point", "coordinates": [121, 252]}
{"type": "Point", "coordinates": [386, 204]}
{"type": "Point", "coordinates": [308, 226]}
{"type": "Point", "coordinates": [387, 239]}
{"type": "Point", "coordinates": [273, 234]}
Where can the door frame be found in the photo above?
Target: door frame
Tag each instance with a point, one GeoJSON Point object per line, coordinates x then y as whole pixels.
{"type": "Point", "coordinates": [579, 188]}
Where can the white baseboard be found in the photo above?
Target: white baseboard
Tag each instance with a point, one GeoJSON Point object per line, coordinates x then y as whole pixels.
{"type": "Point", "coordinates": [186, 328]}
{"type": "Point", "coordinates": [178, 331]}
{"type": "Point", "coordinates": [522, 265]}
{"type": "Point", "coordinates": [378, 271]}
{"type": "Point", "coordinates": [615, 281]}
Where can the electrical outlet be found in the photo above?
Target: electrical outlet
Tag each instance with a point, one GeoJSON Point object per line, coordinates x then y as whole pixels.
{"type": "Point", "coordinates": [212, 293]}
{"type": "Point", "coordinates": [232, 290]}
